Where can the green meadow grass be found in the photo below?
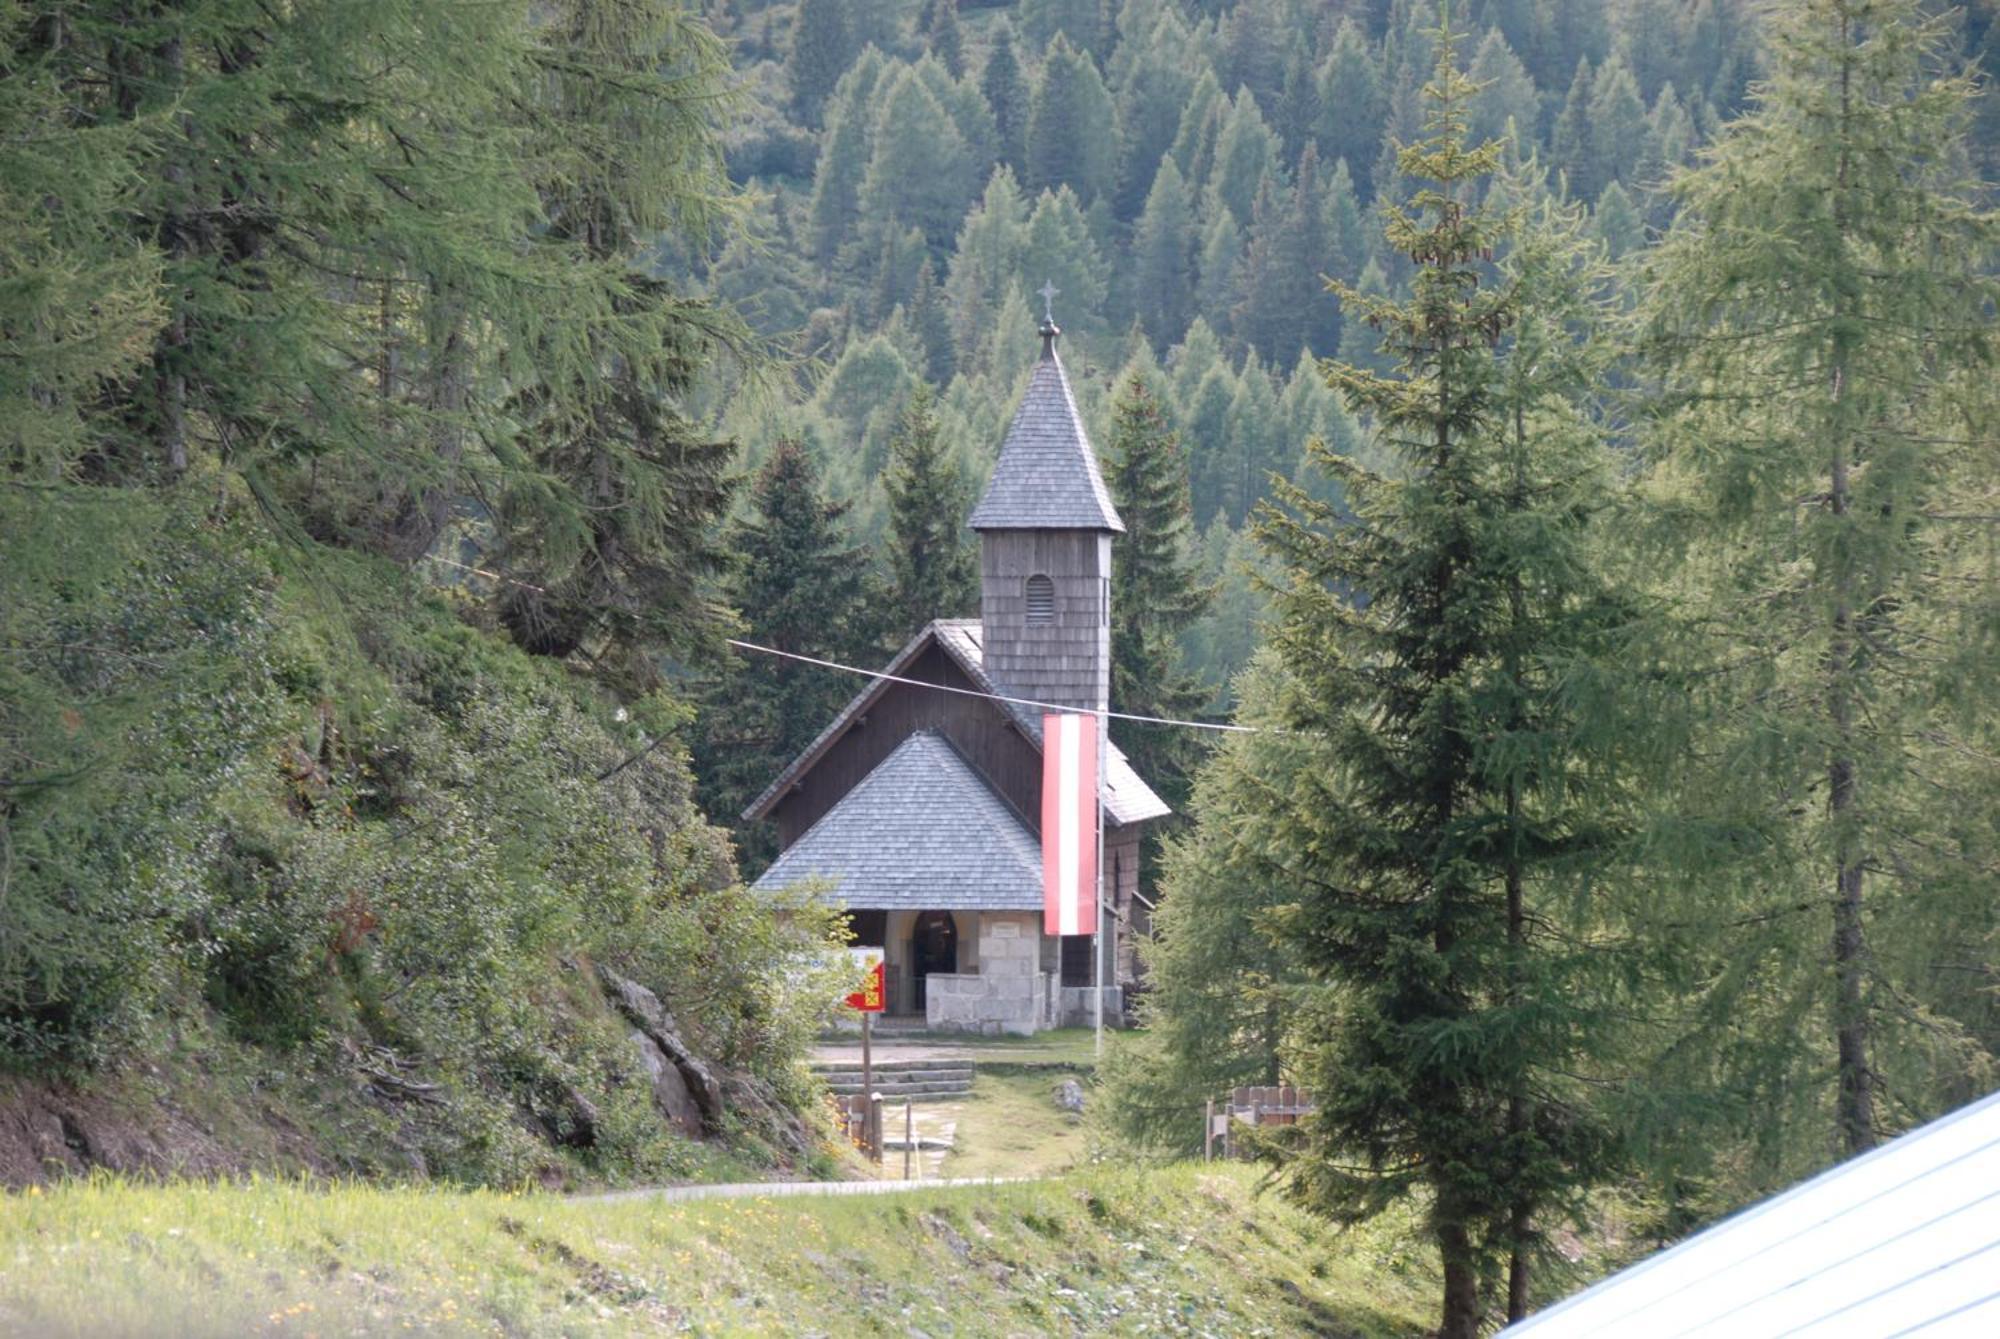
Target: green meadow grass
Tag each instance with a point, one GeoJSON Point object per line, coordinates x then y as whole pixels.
{"type": "Point", "coordinates": [1178, 1250]}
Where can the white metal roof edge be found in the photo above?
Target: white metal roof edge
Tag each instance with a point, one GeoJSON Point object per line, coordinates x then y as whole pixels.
{"type": "Point", "coordinates": [1762, 1208]}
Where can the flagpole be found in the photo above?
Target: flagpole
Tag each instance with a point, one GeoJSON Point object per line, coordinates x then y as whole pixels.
{"type": "Point", "coordinates": [1103, 740]}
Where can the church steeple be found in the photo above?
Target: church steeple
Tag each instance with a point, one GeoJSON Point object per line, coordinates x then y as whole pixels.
{"type": "Point", "coordinates": [1045, 526]}
{"type": "Point", "coordinates": [1047, 476]}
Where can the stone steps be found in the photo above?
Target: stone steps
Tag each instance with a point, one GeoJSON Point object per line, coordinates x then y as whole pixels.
{"type": "Point", "coordinates": [900, 1078]}
{"type": "Point", "coordinates": [894, 1092]}
{"type": "Point", "coordinates": [893, 1066]}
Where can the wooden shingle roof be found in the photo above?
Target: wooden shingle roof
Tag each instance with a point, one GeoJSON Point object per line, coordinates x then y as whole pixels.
{"type": "Point", "coordinates": [923, 830]}
{"type": "Point", "coordinates": [1047, 476]}
{"type": "Point", "coordinates": [1127, 798]}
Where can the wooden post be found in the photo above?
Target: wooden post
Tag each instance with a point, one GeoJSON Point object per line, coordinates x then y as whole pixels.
{"type": "Point", "coordinates": [1208, 1131]}
{"type": "Point", "coordinates": [873, 1126]}
{"type": "Point", "coordinates": [909, 1135]}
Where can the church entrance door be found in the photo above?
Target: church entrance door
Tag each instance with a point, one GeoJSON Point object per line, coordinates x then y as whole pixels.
{"type": "Point", "coordinates": [933, 948]}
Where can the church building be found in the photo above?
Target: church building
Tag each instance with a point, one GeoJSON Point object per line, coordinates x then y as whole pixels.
{"type": "Point", "coordinates": [918, 808]}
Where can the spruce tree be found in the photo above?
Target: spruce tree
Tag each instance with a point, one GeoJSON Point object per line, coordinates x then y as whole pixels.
{"type": "Point", "coordinates": [823, 46]}
{"type": "Point", "coordinates": [943, 36]}
{"type": "Point", "coordinates": [624, 553]}
{"type": "Point", "coordinates": [1006, 93]}
{"type": "Point", "coordinates": [1822, 318]}
{"type": "Point", "coordinates": [932, 324]}
{"type": "Point", "coordinates": [932, 571]}
{"type": "Point", "coordinates": [1299, 109]}
{"type": "Point", "coordinates": [1354, 105]}
{"type": "Point", "coordinates": [801, 584]}
{"type": "Point", "coordinates": [1156, 590]}
{"type": "Point", "coordinates": [1072, 134]}
{"type": "Point", "coordinates": [1152, 88]}
{"type": "Point", "coordinates": [1457, 800]}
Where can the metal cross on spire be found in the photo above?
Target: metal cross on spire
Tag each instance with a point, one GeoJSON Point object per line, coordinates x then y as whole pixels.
{"type": "Point", "coordinates": [1048, 291]}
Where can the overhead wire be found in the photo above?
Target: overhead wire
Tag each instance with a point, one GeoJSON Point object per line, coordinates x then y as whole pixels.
{"type": "Point", "coordinates": [993, 697]}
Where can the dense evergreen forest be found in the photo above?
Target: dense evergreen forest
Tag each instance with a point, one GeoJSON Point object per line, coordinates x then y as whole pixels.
{"type": "Point", "coordinates": [348, 501]}
{"type": "Point", "coordinates": [1187, 174]}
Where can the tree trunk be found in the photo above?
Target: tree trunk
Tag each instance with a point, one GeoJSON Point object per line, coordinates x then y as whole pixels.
{"type": "Point", "coordinates": [1856, 1108]}
{"type": "Point", "coordinates": [1461, 1281]}
{"type": "Point", "coordinates": [422, 511]}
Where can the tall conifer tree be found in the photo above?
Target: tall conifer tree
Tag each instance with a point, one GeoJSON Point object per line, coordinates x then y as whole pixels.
{"type": "Point", "coordinates": [1157, 590]}
{"type": "Point", "coordinates": [823, 45]}
{"type": "Point", "coordinates": [624, 550]}
{"type": "Point", "coordinates": [932, 570]}
{"type": "Point", "coordinates": [1163, 258]}
{"type": "Point", "coordinates": [800, 582]}
{"type": "Point", "coordinates": [1072, 135]}
{"type": "Point", "coordinates": [1007, 94]}
{"type": "Point", "coordinates": [1822, 314]}
{"type": "Point", "coordinates": [1429, 638]}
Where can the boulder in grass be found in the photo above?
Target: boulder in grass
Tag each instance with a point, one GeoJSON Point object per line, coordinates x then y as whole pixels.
{"type": "Point", "coordinates": [1069, 1096]}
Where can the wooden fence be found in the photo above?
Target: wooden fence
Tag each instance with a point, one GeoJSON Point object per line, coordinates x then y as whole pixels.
{"type": "Point", "coordinates": [1255, 1107]}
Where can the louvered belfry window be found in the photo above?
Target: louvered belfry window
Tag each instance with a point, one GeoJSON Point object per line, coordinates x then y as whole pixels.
{"type": "Point", "coordinates": [1041, 599]}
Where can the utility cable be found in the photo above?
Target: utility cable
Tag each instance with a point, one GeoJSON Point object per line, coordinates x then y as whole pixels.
{"type": "Point", "coordinates": [992, 697]}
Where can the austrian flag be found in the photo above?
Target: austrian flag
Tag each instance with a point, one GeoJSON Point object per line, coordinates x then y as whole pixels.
{"type": "Point", "coordinates": [1069, 824]}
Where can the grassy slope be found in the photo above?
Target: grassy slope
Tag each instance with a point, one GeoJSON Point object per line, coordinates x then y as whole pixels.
{"type": "Point", "coordinates": [1011, 1126]}
{"type": "Point", "coordinates": [1180, 1250]}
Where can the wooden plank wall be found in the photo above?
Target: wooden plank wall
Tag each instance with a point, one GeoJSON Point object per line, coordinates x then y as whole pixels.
{"type": "Point", "coordinates": [1067, 661]}
{"type": "Point", "coordinates": [978, 729]}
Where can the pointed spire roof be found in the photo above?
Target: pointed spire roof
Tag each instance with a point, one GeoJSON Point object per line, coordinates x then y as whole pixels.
{"type": "Point", "coordinates": [1047, 476]}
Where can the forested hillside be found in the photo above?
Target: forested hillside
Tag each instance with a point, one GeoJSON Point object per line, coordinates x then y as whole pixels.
{"type": "Point", "coordinates": [347, 502]}
{"type": "Point", "coordinates": [1186, 174]}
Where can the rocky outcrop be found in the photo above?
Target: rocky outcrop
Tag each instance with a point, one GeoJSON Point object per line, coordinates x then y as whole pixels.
{"type": "Point", "coordinates": [642, 1008]}
{"type": "Point", "coordinates": [671, 1093]}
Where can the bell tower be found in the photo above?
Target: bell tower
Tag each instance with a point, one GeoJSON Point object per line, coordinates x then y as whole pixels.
{"type": "Point", "coordinates": [1045, 526]}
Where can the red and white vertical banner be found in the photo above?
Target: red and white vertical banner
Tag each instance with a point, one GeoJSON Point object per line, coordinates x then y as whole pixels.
{"type": "Point", "coordinates": [1069, 824]}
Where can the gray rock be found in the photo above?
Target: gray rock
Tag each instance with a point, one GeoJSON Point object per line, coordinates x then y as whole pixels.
{"type": "Point", "coordinates": [644, 1010]}
{"type": "Point", "coordinates": [1069, 1096]}
{"type": "Point", "coordinates": [670, 1090]}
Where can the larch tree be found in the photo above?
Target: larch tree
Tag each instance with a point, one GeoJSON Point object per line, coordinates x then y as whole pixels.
{"type": "Point", "coordinates": [1220, 989]}
{"type": "Point", "coordinates": [942, 35]}
{"type": "Point", "coordinates": [1443, 840]}
{"type": "Point", "coordinates": [1821, 318]}
{"type": "Point", "coordinates": [933, 572]}
{"type": "Point", "coordinates": [1163, 257]}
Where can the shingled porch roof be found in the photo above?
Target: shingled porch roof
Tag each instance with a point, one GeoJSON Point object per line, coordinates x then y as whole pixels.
{"type": "Point", "coordinates": [922, 831]}
{"type": "Point", "coordinates": [1127, 798]}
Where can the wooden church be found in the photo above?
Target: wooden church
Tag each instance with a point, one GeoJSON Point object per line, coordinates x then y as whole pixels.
{"type": "Point", "coordinates": [918, 809]}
